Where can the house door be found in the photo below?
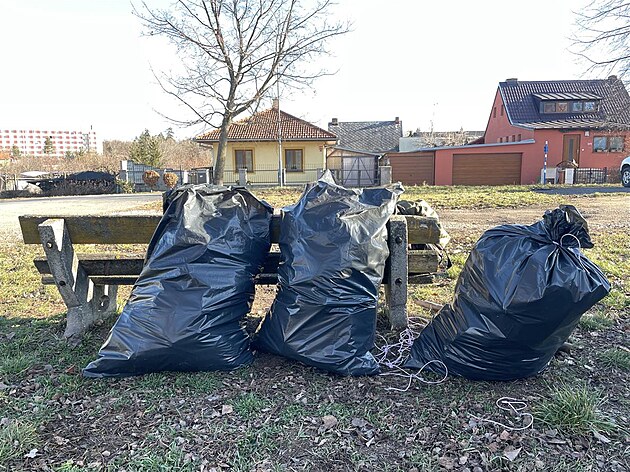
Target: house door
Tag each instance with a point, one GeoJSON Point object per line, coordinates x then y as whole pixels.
{"type": "Point", "coordinates": [571, 148]}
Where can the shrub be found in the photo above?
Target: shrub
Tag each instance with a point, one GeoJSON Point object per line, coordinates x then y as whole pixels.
{"type": "Point", "coordinates": [151, 178]}
{"type": "Point", "coordinates": [170, 179]}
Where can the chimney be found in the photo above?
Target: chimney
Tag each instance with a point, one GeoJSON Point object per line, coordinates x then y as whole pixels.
{"type": "Point", "coordinates": [275, 104]}
{"type": "Point", "coordinates": [397, 120]}
{"type": "Point", "coordinates": [334, 122]}
{"type": "Point", "coordinates": [511, 81]}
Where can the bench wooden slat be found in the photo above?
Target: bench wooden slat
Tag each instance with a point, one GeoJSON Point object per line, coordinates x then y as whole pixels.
{"type": "Point", "coordinates": [138, 229]}
{"type": "Point", "coordinates": [109, 265]}
{"type": "Point", "coordinates": [261, 279]}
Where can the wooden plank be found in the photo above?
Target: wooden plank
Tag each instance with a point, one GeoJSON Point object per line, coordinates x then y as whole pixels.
{"type": "Point", "coordinates": [103, 264]}
{"type": "Point", "coordinates": [261, 279]}
{"type": "Point", "coordinates": [423, 230]}
{"type": "Point", "coordinates": [396, 280]}
{"type": "Point", "coordinates": [99, 229]}
{"type": "Point", "coordinates": [138, 229]}
{"type": "Point", "coordinates": [422, 261]}
{"type": "Point", "coordinates": [108, 265]}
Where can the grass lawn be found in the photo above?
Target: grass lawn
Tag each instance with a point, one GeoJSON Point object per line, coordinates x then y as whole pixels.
{"type": "Point", "coordinates": [270, 416]}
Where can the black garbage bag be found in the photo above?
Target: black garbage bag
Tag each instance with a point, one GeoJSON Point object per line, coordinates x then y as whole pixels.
{"type": "Point", "coordinates": [519, 296]}
{"type": "Point", "coordinates": [196, 286]}
{"type": "Point", "coordinates": [333, 245]}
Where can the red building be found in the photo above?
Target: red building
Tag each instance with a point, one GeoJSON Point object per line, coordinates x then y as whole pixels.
{"type": "Point", "coordinates": [585, 123]}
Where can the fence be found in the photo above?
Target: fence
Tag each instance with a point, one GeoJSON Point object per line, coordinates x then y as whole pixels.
{"type": "Point", "coordinates": [132, 172]}
{"type": "Point", "coordinates": [8, 182]}
{"type": "Point", "coordinates": [348, 177]}
{"type": "Point", "coordinates": [263, 176]}
{"type": "Point", "coordinates": [590, 176]}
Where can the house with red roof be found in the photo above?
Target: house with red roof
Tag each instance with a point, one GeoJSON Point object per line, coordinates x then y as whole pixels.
{"type": "Point", "coordinates": [260, 142]}
{"type": "Point", "coordinates": [582, 124]}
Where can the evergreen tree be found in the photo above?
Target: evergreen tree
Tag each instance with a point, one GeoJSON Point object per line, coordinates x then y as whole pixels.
{"type": "Point", "coordinates": [49, 148]}
{"type": "Point", "coordinates": [145, 149]}
{"type": "Point", "coordinates": [15, 151]}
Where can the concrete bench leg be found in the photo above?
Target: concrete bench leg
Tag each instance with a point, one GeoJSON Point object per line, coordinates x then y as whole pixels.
{"type": "Point", "coordinates": [87, 303]}
{"type": "Point", "coordinates": [396, 288]}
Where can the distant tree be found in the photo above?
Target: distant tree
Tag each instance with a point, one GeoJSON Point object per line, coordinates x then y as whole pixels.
{"type": "Point", "coordinates": [145, 149]}
{"type": "Point", "coordinates": [15, 151]}
{"type": "Point", "coordinates": [235, 52]}
{"type": "Point", "coordinates": [49, 148]}
{"type": "Point", "coordinates": [169, 133]}
{"type": "Point", "coordinates": [602, 37]}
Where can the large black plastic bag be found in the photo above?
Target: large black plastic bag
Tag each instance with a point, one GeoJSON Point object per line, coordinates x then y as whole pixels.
{"type": "Point", "coordinates": [518, 298]}
{"type": "Point", "coordinates": [333, 245]}
{"type": "Point", "coordinates": [197, 284]}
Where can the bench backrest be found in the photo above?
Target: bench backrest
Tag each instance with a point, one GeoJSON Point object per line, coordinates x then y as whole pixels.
{"type": "Point", "coordinates": [138, 229]}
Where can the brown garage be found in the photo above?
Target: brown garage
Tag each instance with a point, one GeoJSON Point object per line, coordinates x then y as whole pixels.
{"type": "Point", "coordinates": [413, 168]}
{"type": "Point", "coordinates": [487, 169]}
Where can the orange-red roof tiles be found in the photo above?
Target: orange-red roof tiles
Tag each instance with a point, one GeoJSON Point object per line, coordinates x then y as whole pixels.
{"type": "Point", "coordinates": [263, 126]}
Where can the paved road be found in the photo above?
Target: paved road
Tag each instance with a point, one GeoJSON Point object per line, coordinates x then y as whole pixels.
{"type": "Point", "coordinates": [583, 190]}
{"type": "Point", "coordinates": [10, 209]}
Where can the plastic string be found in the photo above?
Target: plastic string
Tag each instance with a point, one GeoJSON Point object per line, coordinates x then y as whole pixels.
{"type": "Point", "coordinates": [573, 236]}
{"type": "Point", "coordinates": [515, 406]}
{"type": "Point", "coordinates": [579, 246]}
{"type": "Point", "coordinates": [393, 356]}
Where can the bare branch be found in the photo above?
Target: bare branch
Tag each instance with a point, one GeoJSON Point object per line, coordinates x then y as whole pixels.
{"type": "Point", "coordinates": [234, 52]}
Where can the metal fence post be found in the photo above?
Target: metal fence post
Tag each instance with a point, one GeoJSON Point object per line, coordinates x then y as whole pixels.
{"type": "Point", "coordinates": [242, 177]}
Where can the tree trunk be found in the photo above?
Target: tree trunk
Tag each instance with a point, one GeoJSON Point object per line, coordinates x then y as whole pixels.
{"type": "Point", "coordinates": [219, 161]}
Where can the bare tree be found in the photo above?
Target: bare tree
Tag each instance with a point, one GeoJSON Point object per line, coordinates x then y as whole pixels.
{"type": "Point", "coordinates": [234, 52]}
{"type": "Point", "coordinates": [603, 37]}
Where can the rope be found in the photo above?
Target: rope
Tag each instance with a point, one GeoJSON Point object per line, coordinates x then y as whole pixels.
{"type": "Point", "coordinates": [393, 356]}
{"type": "Point", "coordinates": [516, 407]}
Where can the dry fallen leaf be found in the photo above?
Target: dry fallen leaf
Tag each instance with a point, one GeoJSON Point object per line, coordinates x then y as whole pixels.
{"type": "Point", "coordinates": [600, 437]}
{"type": "Point", "coordinates": [512, 454]}
{"type": "Point", "coordinates": [227, 409]}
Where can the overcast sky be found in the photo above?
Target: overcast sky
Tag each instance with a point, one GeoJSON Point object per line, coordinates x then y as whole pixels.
{"type": "Point", "coordinates": [70, 64]}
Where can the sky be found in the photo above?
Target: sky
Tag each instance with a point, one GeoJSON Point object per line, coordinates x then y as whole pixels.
{"type": "Point", "coordinates": [72, 64]}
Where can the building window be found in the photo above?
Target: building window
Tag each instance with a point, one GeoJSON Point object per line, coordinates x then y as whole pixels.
{"type": "Point", "coordinates": [502, 110]}
{"type": "Point", "coordinates": [519, 137]}
{"type": "Point", "coordinates": [244, 159]}
{"type": "Point", "coordinates": [549, 107]}
{"type": "Point", "coordinates": [589, 106]}
{"type": "Point", "coordinates": [494, 112]}
{"type": "Point", "coordinates": [577, 107]}
{"type": "Point", "coordinates": [500, 140]}
{"type": "Point", "coordinates": [608, 143]}
{"type": "Point", "coordinates": [562, 107]}
{"type": "Point", "coordinates": [294, 160]}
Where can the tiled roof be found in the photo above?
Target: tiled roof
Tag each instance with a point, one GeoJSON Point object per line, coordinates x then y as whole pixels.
{"type": "Point", "coordinates": [368, 136]}
{"type": "Point", "coordinates": [522, 100]}
{"type": "Point", "coordinates": [263, 126]}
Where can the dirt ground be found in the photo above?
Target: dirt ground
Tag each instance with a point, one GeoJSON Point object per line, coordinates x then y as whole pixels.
{"type": "Point", "coordinates": [602, 212]}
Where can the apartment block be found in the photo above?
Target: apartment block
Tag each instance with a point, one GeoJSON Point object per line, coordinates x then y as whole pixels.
{"type": "Point", "coordinates": [31, 142]}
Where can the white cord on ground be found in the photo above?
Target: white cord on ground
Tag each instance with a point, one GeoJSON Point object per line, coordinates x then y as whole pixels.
{"type": "Point", "coordinates": [515, 406]}
{"type": "Point", "coordinates": [393, 356]}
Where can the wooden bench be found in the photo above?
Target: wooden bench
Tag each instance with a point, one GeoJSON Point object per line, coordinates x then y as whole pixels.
{"type": "Point", "coordinates": [88, 283]}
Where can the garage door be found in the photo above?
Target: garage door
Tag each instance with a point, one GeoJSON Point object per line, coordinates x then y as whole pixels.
{"type": "Point", "coordinates": [413, 168]}
{"type": "Point", "coordinates": [487, 169]}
